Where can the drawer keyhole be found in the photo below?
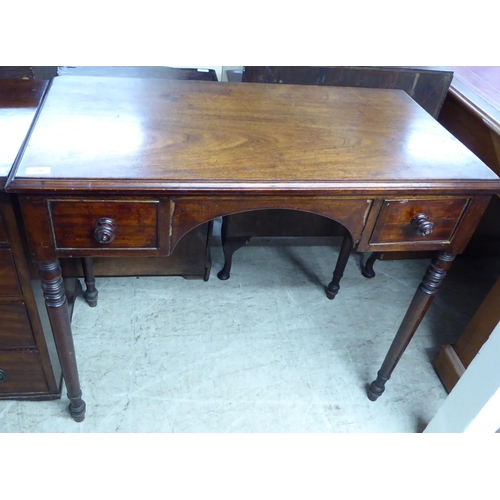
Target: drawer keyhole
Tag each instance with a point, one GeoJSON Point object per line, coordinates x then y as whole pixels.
{"type": "Point", "coordinates": [104, 231]}
{"type": "Point", "coordinates": [423, 224]}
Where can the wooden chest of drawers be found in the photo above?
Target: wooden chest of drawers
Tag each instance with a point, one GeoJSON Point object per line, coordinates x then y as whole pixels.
{"type": "Point", "coordinates": [29, 366]}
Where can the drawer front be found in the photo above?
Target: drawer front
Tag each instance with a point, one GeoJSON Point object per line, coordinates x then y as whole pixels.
{"type": "Point", "coordinates": [9, 283]}
{"type": "Point", "coordinates": [407, 221]}
{"type": "Point", "coordinates": [15, 326]}
{"type": "Point", "coordinates": [105, 224]}
{"type": "Point", "coordinates": [21, 372]}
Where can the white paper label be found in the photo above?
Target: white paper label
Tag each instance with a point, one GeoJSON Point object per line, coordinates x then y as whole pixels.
{"type": "Point", "coordinates": [37, 170]}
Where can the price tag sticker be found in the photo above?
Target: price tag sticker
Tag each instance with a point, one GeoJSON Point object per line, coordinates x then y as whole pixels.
{"type": "Point", "coordinates": [38, 170]}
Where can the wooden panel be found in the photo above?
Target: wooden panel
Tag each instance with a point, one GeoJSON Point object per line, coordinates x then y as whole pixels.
{"type": "Point", "coordinates": [15, 327]}
{"type": "Point", "coordinates": [395, 221]}
{"type": "Point", "coordinates": [28, 72]}
{"type": "Point", "coordinates": [472, 131]}
{"type": "Point", "coordinates": [180, 135]}
{"type": "Point", "coordinates": [453, 360]}
{"type": "Point", "coordinates": [74, 223]}
{"type": "Point", "coordinates": [449, 367]}
{"type": "Point", "coordinates": [428, 87]}
{"type": "Point", "coordinates": [9, 283]}
{"type": "Point", "coordinates": [282, 223]}
{"type": "Point", "coordinates": [19, 100]}
{"type": "Point", "coordinates": [22, 373]}
{"type": "Point", "coordinates": [190, 259]}
{"type": "Point", "coordinates": [163, 72]}
{"type": "Point", "coordinates": [191, 211]}
{"type": "Point", "coordinates": [3, 232]}
{"type": "Point", "coordinates": [480, 327]}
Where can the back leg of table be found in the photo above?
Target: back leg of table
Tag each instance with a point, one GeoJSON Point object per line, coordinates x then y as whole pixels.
{"type": "Point", "coordinates": [88, 272]}
{"type": "Point", "coordinates": [345, 251]}
{"type": "Point", "coordinates": [367, 269]}
{"type": "Point", "coordinates": [229, 246]}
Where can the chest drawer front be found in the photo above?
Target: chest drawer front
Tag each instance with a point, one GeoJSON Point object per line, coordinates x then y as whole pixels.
{"type": "Point", "coordinates": [15, 326]}
{"type": "Point", "coordinates": [21, 372]}
{"type": "Point", "coordinates": [9, 283]}
{"type": "Point", "coordinates": [407, 221]}
{"type": "Point", "coordinates": [105, 224]}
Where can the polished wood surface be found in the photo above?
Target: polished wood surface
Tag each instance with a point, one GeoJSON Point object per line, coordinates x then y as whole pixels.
{"type": "Point", "coordinates": [19, 100]}
{"type": "Point", "coordinates": [185, 135]}
{"type": "Point", "coordinates": [427, 86]}
{"type": "Point", "coordinates": [198, 151]}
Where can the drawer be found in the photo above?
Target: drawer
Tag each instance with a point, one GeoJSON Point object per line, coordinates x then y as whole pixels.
{"type": "Point", "coordinates": [9, 283]}
{"type": "Point", "coordinates": [21, 372]}
{"type": "Point", "coordinates": [104, 224]}
{"type": "Point", "coordinates": [407, 221]}
{"type": "Point", "coordinates": [15, 326]}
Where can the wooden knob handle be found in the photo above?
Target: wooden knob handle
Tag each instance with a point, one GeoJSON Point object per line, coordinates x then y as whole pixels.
{"type": "Point", "coordinates": [423, 224]}
{"type": "Point", "coordinates": [3, 376]}
{"type": "Point", "coordinates": [105, 230]}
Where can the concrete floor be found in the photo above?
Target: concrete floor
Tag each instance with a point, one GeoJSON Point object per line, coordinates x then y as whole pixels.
{"type": "Point", "coordinates": [265, 351]}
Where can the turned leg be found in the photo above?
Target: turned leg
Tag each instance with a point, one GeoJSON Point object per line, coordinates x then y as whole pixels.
{"type": "Point", "coordinates": [345, 251]}
{"type": "Point", "coordinates": [421, 301]}
{"type": "Point", "coordinates": [57, 307]}
{"type": "Point", "coordinates": [229, 246]}
{"type": "Point", "coordinates": [367, 270]}
{"type": "Point", "coordinates": [88, 272]}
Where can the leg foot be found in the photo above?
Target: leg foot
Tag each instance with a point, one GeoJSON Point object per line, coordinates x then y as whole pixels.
{"type": "Point", "coordinates": [367, 269]}
{"type": "Point", "coordinates": [77, 408]}
{"type": "Point", "coordinates": [91, 291]}
{"type": "Point", "coordinates": [334, 286]}
{"type": "Point", "coordinates": [377, 387]}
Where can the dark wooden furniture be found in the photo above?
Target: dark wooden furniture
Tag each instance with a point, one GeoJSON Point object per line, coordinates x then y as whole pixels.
{"type": "Point", "coordinates": [181, 153]}
{"type": "Point", "coordinates": [162, 72]}
{"type": "Point", "coordinates": [29, 367]}
{"type": "Point", "coordinates": [42, 73]}
{"type": "Point", "coordinates": [191, 258]}
{"type": "Point", "coordinates": [428, 87]}
{"type": "Point", "coordinates": [471, 112]}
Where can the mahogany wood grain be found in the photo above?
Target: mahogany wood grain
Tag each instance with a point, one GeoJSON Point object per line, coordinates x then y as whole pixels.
{"type": "Point", "coordinates": [135, 223]}
{"type": "Point", "coordinates": [395, 221]}
{"type": "Point", "coordinates": [209, 135]}
{"type": "Point", "coordinates": [19, 100]}
{"type": "Point", "coordinates": [23, 373]}
{"type": "Point", "coordinates": [9, 282]}
{"type": "Point", "coordinates": [204, 150]}
{"type": "Point", "coordinates": [426, 86]}
{"type": "Point", "coordinates": [15, 328]}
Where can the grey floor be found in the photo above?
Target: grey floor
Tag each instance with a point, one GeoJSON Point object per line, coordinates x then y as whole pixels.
{"type": "Point", "coordinates": [265, 351]}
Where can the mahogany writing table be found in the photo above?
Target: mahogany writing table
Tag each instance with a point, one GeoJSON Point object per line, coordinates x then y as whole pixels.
{"type": "Point", "coordinates": [126, 167]}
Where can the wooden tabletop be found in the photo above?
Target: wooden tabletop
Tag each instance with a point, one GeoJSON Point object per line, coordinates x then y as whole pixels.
{"type": "Point", "coordinates": [19, 100]}
{"type": "Point", "coordinates": [114, 133]}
